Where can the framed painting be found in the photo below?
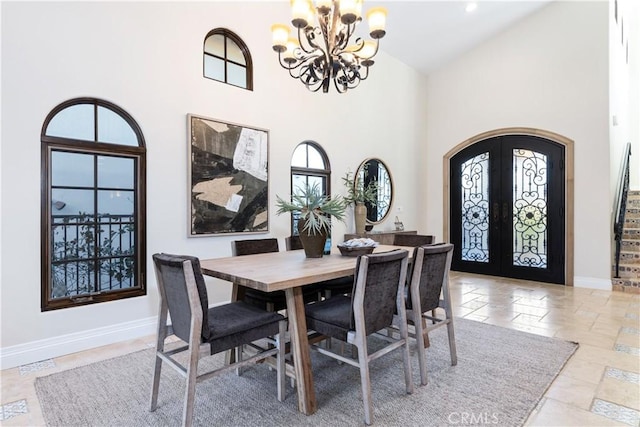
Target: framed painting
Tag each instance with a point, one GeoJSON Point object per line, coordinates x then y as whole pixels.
{"type": "Point", "coordinates": [228, 177]}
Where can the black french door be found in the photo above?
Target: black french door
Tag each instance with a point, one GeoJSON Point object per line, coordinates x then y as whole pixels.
{"type": "Point", "coordinates": [507, 208]}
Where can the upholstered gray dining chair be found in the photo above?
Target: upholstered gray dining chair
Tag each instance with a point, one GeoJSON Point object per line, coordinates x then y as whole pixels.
{"type": "Point", "coordinates": [378, 293]}
{"type": "Point", "coordinates": [341, 285]}
{"type": "Point", "coordinates": [428, 291]}
{"type": "Point", "coordinates": [413, 240]}
{"type": "Point", "coordinates": [293, 243]}
{"type": "Point", "coordinates": [271, 301]}
{"type": "Point", "coordinates": [208, 331]}
{"type": "Point", "coordinates": [326, 288]}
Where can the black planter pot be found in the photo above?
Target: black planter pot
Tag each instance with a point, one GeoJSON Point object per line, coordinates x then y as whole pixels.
{"type": "Point", "coordinates": [313, 244]}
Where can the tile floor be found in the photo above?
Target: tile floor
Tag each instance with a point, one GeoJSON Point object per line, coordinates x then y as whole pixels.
{"type": "Point", "coordinates": [599, 386]}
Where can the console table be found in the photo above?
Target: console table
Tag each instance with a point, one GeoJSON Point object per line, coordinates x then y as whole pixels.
{"type": "Point", "coordinates": [382, 237]}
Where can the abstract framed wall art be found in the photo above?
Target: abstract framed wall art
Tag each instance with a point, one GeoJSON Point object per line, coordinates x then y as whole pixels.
{"type": "Point", "coordinates": [228, 177]}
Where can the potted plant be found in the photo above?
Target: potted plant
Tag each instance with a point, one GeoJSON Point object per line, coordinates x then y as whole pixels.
{"type": "Point", "coordinates": [314, 211]}
{"type": "Point", "coordinates": [358, 194]}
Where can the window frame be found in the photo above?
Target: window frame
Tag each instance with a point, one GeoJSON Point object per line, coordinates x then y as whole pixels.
{"type": "Point", "coordinates": [49, 144]}
{"type": "Point", "coordinates": [228, 34]}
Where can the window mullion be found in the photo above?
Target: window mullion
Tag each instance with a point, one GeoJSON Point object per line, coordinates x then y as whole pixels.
{"type": "Point", "coordinates": [96, 232]}
{"type": "Point", "coordinates": [95, 122]}
{"type": "Point", "coordinates": [226, 59]}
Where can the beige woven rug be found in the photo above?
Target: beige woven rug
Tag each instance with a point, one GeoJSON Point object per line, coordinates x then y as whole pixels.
{"type": "Point", "coordinates": [500, 378]}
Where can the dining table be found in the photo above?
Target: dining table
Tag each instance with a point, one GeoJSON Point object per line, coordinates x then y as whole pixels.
{"type": "Point", "coordinates": [288, 271]}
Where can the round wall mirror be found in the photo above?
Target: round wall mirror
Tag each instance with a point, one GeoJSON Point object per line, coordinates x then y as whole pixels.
{"type": "Point", "coordinates": [370, 171]}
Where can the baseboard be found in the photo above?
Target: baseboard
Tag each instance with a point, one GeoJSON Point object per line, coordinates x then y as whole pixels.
{"type": "Point", "coordinates": [35, 351]}
{"type": "Point", "coordinates": [592, 283]}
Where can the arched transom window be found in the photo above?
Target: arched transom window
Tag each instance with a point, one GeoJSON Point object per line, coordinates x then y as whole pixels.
{"type": "Point", "coordinates": [227, 59]}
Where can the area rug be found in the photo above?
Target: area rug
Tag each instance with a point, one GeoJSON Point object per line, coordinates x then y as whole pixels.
{"type": "Point", "coordinates": [501, 376]}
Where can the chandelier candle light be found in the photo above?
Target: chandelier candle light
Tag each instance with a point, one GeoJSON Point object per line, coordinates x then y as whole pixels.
{"type": "Point", "coordinates": [322, 52]}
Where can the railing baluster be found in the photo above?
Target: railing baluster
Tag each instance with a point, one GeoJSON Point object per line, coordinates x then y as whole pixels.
{"type": "Point", "coordinates": [71, 256]}
{"type": "Point", "coordinates": [621, 206]}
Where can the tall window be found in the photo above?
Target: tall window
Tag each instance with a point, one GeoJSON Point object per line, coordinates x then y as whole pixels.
{"type": "Point", "coordinates": [309, 166]}
{"type": "Point", "coordinates": [93, 212]}
{"type": "Point", "coordinates": [227, 59]}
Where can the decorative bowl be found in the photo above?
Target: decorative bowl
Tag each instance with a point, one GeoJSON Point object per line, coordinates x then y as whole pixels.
{"type": "Point", "coordinates": [355, 250]}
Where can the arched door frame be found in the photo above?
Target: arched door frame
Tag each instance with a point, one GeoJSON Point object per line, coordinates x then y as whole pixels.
{"type": "Point", "coordinates": [569, 170]}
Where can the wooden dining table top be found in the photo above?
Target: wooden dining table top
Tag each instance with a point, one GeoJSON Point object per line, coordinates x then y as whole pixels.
{"type": "Point", "coordinates": [275, 271]}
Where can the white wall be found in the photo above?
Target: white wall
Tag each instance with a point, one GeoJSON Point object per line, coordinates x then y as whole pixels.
{"type": "Point", "coordinates": [549, 72]}
{"type": "Point", "coordinates": [624, 33]}
{"type": "Point", "coordinates": [147, 58]}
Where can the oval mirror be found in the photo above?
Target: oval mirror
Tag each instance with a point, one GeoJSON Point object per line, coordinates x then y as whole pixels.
{"type": "Point", "coordinates": [374, 170]}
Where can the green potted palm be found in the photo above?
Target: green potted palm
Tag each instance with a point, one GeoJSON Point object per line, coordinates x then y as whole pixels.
{"type": "Point", "coordinates": [358, 195]}
{"type": "Point", "coordinates": [314, 210]}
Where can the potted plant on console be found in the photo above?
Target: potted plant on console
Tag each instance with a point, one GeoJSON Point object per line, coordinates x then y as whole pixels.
{"type": "Point", "coordinates": [315, 210]}
{"type": "Point", "coordinates": [358, 195]}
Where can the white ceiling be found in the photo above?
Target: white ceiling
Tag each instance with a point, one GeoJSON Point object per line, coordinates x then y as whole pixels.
{"type": "Point", "coordinates": [427, 34]}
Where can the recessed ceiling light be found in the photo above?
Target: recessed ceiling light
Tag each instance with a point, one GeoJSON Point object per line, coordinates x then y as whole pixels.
{"type": "Point", "coordinates": [471, 7]}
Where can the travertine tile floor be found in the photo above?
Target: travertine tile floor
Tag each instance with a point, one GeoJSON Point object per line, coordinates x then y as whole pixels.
{"type": "Point", "coordinates": [599, 386]}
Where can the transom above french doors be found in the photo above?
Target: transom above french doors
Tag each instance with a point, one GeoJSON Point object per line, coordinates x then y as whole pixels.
{"type": "Point", "coordinates": [507, 208]}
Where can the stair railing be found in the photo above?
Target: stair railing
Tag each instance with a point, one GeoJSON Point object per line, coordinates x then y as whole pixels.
{"type": "Point", "coordinates": [620, 206]}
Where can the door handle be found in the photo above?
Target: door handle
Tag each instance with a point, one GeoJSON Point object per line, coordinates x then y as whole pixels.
{"type": "Point", "coordinates": [505, 213]}
{"type": "Point", "coordinates": [496, 212]}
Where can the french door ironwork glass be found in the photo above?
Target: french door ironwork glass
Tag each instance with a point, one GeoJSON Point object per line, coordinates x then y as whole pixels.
{"type": "Point", "coordinates": [507, 208]}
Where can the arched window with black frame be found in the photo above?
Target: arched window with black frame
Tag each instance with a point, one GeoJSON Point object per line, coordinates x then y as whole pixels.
{"type": "Point", "coordinates": [309, 166]}
{"type": "Point", "coordinates": [93, 205]}
{"type": "Point", "coordinates": [227, 59]}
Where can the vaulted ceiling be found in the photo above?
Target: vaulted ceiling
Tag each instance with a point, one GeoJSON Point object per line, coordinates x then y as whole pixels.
{"type": "Point", "coordinates": [427, 34]}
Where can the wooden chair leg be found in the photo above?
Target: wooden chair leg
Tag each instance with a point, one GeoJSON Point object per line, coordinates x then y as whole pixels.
{"type": "Point", "coordinates": [190, 389]}
{"type": "Point", "coordinates": [448, 313]}
{"type": "Point", "coordinates": [425, 337]}
{"type": "Point", "coordinates": [404, 334]}
{"type": "Point", "coordinates": [452, 343]}
{"type": "Point", "coordinates": [280, 359]}
{"type": "Point", "coordinates": [156, 384]}
{"type": "Point", "coordinates": [419, 324]}
{"type": "Point", "coordinates": [238, 358]}
{"type": "Point", "coordinates": [354, 351]}
{"type": "Point", "coordinates": [237, 294]}
{"type": "Point", "coordinates": [160, 337]}
{"type": "Point", "coordinates": [365, 380]}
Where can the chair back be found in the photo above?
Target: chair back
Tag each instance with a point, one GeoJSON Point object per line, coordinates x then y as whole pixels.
{"type": "Point", "coordinates": [378, 286]}
{"type": "Point", "coordinates": [431, 265]}
{"type": "Point", "coordinates": [254, 246]}
{"type": "Point", "coordinates": [293, 243]}
{"type": "Point", "coordinates": [412, 239]}
{"type": "Point", "coordinates": [174, 280]}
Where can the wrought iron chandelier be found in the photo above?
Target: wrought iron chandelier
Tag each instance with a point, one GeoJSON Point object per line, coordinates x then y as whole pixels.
{"type": "Point", "coordinates": [322, 53]}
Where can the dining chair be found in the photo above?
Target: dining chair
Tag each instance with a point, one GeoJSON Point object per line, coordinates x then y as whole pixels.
{"type": "Point", "coordinates": [378, 293]}
{"type": "Point", "coordinates": [428, 291]}
{"type": "Point", "coordinates": [208, 331]}
{"type": "Point", "coordinates": [412, 239]}
{"type": "Point", "coordinates": [341, 285]}
{"type": "Point", "coordinates": [293, 243]}
{"type": "Point", "coordinates": [326, 288]}
{"type": "Point", "coordinates": [270, 301]}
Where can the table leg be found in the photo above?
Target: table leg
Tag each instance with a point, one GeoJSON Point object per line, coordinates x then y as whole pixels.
{"type": "Point", "coordinates": [301, 353]}
{"type": "Point", "coordinates": [236, 294]}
